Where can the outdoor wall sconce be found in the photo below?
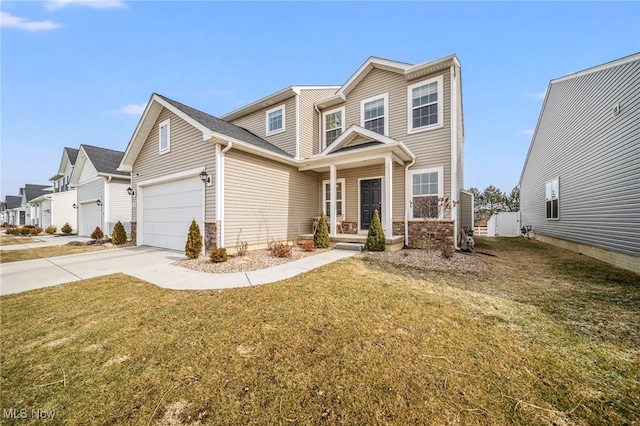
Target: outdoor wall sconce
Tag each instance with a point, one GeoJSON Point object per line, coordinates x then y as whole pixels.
{"type": "Point", "coordinates": [130, 191]}
{"type": "Point", "coordinates": [99, 202]}
{"type": "Point", "coordinates": [35, 205]}
{"type": "Point", "coordinates": [75, 206]}
{"type": "Point", "coordinates": [205, 178]}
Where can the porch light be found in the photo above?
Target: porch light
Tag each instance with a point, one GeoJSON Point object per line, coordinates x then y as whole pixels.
{"type": "Point", "coordinates": [75, 206]}
{"type": "Point", "coordinates": [130, 191]}
{"type": "Point", "coordinates": [99, 202]}
{"type": "Point", "coordinates": [204, 177]}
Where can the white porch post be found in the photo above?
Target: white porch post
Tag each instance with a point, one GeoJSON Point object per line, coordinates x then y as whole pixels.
{"type": "Point", "coordinates": [332, 202]}
{"type": "Point", "coordinates": [387, 221]}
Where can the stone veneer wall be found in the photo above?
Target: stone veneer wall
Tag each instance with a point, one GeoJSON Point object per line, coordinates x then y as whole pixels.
{"type": "Point", "coordinates": [430, 234]}
{"type": "Point", "coordinates": [350, 227]}
{"type": "Point", "coordinates": [210, 235]}
{"type": "Point", "coordinates": [134, 231]}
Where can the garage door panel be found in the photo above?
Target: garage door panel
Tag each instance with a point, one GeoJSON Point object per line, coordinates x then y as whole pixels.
{"type": "Point", "coordinates": [168, 210]}
{"type": "Point", "coordinates": [91, 217]}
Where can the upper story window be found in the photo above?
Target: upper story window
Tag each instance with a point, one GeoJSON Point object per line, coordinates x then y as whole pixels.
{"type": "Point", "coordinates": [333, 126]}
{"type": "Point", "coordinates": [275, 120]}
{"type": "Point", "coordinates": [426, 192]}
{"type": "Point", "coordinates": [164, 132]}
{"type": "Point", "coordinates": [552, 197]}
{"type": "Point", "coordinates": [374, 115]}
{"type": "Point", "coordinates": [425, 105]}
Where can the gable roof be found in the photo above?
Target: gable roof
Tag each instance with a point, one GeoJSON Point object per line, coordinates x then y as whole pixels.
{"type": "Point", "coordinates": [213, 129]}
{"type": "Point", "coordinates": [105, 160]}
{"type": "Point", "coordinates": [13, 201]}
{"type": "Point", "coordinates": [34, 191]}
{"type": "Point", "coordinates": [67, 153]}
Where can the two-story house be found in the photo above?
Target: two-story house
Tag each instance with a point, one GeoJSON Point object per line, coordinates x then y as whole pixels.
{"type": "Point", "coordinates": [390, 136]}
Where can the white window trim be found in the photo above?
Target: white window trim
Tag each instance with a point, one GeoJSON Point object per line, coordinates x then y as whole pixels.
{"type": "Point", "coordinates": [557, 178]}
{"type": "Point", "coordinates": [167, 123]}
{"type": "Point", "coordinates": [409, 183]}
{"type": "Point", "coordinates": [323, 124]}
{"type": "Point", "coordinates": [440, 82]}
{"type": "Point", "coordinates": [269, 111]}
{"type": "Point", "coordinates": [342, 193]}
{"type": "Point", "coordinates": [385, 97]}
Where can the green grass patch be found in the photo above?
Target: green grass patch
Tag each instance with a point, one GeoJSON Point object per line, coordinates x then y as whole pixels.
{"type": "Point", "coordinates": [44, 252]}
{"type": "Point", "coordinates": [354, 342]}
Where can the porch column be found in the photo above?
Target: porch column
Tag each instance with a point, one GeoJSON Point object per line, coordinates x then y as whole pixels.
{"type": "Point", "coordinates": [332, 201]}
{"type": "Point", "coordinates": [387, 222]}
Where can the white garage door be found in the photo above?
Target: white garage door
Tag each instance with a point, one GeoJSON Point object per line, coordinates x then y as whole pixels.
{"type": "Point", "coordinates": [167, 212]}
{"type": "Point", "coordinates": [91, 217]}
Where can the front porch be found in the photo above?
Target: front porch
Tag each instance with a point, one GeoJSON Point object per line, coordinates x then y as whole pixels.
{"type": "Point", "coordinates": [396, 242]}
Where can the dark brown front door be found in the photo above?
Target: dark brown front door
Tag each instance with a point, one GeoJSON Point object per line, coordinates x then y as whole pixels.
{"type": "Point", "coordinates": [370, 200]}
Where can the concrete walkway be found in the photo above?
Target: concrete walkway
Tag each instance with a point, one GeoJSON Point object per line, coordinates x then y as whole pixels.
{"type": "Point", "coordinates": [45, 241]}
{"type": "Point", "coordinates": [147, 263]}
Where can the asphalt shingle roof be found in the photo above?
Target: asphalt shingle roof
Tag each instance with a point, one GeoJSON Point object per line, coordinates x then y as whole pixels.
{"type": "Point", "coordinates": [225, 128]}
{"type": "Point", "coordinates": [35, 191]}
{"type": "Point", "coordinates": [13, 201]}
{"type": "Point", "coordinates": [72, 153]}
{"type": "Point", "coordinates": [105, 160]}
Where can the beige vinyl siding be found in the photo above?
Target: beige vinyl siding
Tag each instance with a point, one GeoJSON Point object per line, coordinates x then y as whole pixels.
{"type": "Point", "coordinates": [466, 210]}
{"type": "Point", "coordinates": [266, 200]}
{"type": "Point", "coordinates": [309, 120]}
{"type": "Point", "coordinates": [188, 151]}
{"type": "Point", "coordinates": [256, 123]}
{"type": "Point", "coordinates": [119, 205]}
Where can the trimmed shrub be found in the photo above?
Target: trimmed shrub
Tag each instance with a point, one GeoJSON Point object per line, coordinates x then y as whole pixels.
{"type": "Point", "coordinates": [307, 245]}
{"type": "Point", "coordinates": [193, 247]}
{"type": "Point", "coordinates": [66, 229]}
{"type": "Point", "coordinates": [218, 255]}
{"type": "Point", "coordinates": [119, 235]}
{"type": "Point", "coordinates": [35, 231]}
{"type": "Point", "coordinates": [97, 234]}
{"type": "Point", "coordinates": [321, 237]}
{"type": "Point", "coordinates": [51, 230]}
{"type": "Point", "coordinates": [281, 250]}
{"type": "Point", "coordinates": [375, 236]}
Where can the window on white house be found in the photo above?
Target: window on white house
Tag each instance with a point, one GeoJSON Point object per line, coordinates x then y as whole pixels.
{"type": "Point", "coordinates": [425, 104]}
{"type": "Point", "coordinates": [373, 114]}
{"type": "Point", "coordinates": [165, 136]}
{"type": "Point", "coordinates": [333, 125]}
{"type": "Point", "coordinates": [426, 190]}
{"type": "Point", "coordinates": [326, 196]}
{"type": "Point", "coordinates": [552, 197]}
{"type": "Point", "coordinates": [275, 120]}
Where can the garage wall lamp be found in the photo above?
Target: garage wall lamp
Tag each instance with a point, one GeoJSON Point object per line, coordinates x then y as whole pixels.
{"type": "Point", "coordinates": [205, 177]}
{"type": "Point", "coordinates": [130, 191]}
{"type": "Point", "coordinates": [75, 206]}
{"type": "Point", "coordinates": [99, 202]}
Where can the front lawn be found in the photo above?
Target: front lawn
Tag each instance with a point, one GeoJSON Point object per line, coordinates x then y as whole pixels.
{"type": "Point", "coordinates": [355, 342]}
{"type": "Point", "coordinates": [9, 240]}
{"type": "Point", "coordinates": [44, 252]}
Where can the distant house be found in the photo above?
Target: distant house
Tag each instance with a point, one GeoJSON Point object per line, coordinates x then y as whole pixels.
{"type": "Point", "coordinates": [391, 135]}
{"type": "Point", "coordinates": [11, 210]}
{"type": "Point", "coordinates": [64, 198]}
{"type": "Point", "coordinates": [102, 198]}
{"type": "Point", "coordinates": [31, 206]}
{"type": "Point", "coordinates": [580, 185]}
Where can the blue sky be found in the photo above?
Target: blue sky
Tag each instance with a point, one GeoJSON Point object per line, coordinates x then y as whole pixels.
{"type": "Point", "coordinates": [81, 72]}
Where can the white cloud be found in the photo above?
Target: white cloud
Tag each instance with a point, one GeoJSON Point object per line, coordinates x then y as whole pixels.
{"type": "Point", "coordinates": [8, 20]}
{"type": "Point", "coordinates": [528, 132]}
{"type": "Point", "coordinates": [132, 109]}
{"type": "Point", "coordinates": [539, 95]}
{"type": "Point", "coordinates": [95, 4]}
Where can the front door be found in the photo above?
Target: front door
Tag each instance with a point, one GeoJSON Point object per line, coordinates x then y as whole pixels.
{"type": "Point", "coordinates": [370, 200]}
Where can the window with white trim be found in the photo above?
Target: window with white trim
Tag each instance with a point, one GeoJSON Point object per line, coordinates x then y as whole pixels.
{"type": "Point", "coordinates": [164, 136]}
{"type": "Point", "coordinates": [426, 191]}
{"type": "Point", "coordinates": [373, 114]}
{"type": "Point", "coordinates": [326, 196]}
{"type": "Point", "coordinates": [333, 126]}
{"type": "Point", "coordinates": [552, 198]}
{"type": "Point", "coordinates": [275, 120]}
{"type": "Point", "coordinates": [425, 105]}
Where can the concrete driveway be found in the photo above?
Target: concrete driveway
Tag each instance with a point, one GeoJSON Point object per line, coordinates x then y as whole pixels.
{"type": "Point", "coordinates": [147, 263]}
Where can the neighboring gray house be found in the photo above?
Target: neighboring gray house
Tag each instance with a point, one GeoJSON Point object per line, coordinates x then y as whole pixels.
{"type": "Point", "coordinates": [102, 198]}
{"type": "Point", "coordinates": [580, 185]}
{"type": "Point", "coordinates": [11, 209]}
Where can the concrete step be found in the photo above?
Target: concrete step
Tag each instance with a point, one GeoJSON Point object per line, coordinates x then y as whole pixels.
{"type": "Point", "coordinates": [350, 246]}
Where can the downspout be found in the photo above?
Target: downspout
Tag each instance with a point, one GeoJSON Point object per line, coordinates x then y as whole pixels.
{"type": "Point", "coordinates": [105, 204]}
{"type": "Point", "coordinates": [454, 155]}
{"type": "Point", "coordinates": [319, 127]}
{"type": "Point", "coordinates": [406, 197]}
{"type": "Point", "coordinates": [221, 192]}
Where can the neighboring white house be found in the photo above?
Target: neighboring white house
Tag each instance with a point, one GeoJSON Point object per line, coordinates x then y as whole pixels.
{"type": "Point", "coordinates": [504, 224]}
{"type": "Point", "coordinates": [102, 198]}
{"type": "Point", "coordinates": [31, 204]}
{"type": "Point", "coordinates": [64, 198]}
{"type": "Point", "coordinates": [580, 184]}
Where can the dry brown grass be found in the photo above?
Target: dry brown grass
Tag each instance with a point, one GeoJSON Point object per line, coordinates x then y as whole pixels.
{"type": "Point", "coordinates": [354, 342]}
{"type": "Point", "coordinates": [9, 240]}
{"type": "Point", "coordinates": [44, 252]}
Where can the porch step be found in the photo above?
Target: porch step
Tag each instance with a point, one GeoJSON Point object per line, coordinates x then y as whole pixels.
{"type": "Point", "coordinates": [349, 246]}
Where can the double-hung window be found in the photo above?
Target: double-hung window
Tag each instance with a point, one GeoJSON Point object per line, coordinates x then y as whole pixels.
{"type": "Point", "coordinates": [425, 105]}
{"type": "Point", "coordinates": [374, 114]}
{"type": "Point", "coordinates": [333, 122]}
{"type": "Point", "coordinates": [326, 196]}
{"type": "Point", "coordinates": [164, 136]}
{"type": "Point", "coordinates": [426, 190]}
{"type": "Point", "coordinates": [275, 120]}
{"type": "Point", "coordinates": [552, 197]}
